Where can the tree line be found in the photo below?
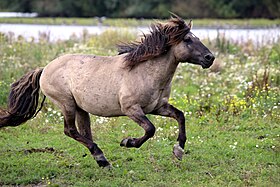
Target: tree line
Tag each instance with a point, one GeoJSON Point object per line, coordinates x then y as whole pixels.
{"type": "Point", "coordinates": [146, 8]}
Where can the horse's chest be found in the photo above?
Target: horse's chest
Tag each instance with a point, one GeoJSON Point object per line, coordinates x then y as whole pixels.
{"type": "Point", "coordinates": [153, 100]}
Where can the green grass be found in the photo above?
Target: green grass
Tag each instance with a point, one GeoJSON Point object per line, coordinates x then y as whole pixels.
{"type": "Point", "coordinates": [221, 23]}
{"type": "Point", "coordinates": [232, 116]}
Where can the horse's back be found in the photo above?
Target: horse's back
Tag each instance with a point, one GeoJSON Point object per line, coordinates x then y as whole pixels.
{"type": "Point", "coordinates": [92, 82]}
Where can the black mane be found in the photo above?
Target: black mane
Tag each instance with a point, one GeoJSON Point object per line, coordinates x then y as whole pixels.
{"type": "Point", "coordinates": [156, 43]}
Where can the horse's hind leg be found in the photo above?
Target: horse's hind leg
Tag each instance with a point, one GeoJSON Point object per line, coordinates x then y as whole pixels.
{"type": "Point", "coordinates": [70, 130]}
{"type": "Point", "coordinates": [136, 114]}
{"type": "Point", "coordinates": [83, 123]}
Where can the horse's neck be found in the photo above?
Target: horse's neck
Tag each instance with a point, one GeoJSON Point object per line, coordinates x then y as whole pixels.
{"type": "Point", "coordinates": [161, 69]}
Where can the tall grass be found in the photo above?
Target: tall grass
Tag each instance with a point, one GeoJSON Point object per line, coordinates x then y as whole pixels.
{"type": "Point", "coordinates": [232, 115]}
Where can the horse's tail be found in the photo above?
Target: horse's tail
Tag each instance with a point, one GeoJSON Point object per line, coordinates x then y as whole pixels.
{"type": "Point", "coordinates": [23, 100]}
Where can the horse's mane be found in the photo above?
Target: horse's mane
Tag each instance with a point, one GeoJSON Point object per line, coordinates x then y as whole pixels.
{"type": "Point", "coordinates": [161, 37]}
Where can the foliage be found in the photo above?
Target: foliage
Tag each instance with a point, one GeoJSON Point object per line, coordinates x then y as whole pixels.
{"type": "Point", "coordinates": [147, 9]}
{"type": "Point", "coordinates": [232, 114]}
{"type": "Point", "coordinates": [132, 22]}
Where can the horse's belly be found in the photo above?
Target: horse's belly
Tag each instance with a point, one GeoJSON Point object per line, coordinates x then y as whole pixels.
{"type": "Point", "coordinates": [104, 109]}
{"type": "Point", "coordinates": [100, 104]}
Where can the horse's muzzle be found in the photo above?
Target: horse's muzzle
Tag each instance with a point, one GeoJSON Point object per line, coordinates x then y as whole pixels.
{"type": "Point", "coordinates": [209, 59]}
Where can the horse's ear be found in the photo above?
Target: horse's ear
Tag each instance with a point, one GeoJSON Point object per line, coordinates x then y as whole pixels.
{"type": "Point", "coordinates": [190, 24]}
{"type": "Point", "coordinates": [173, 15]}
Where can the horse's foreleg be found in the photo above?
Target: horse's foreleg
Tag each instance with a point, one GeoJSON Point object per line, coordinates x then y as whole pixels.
{"type": "Point", "coordinates": [71, 131]}
{"type": "Point", "coordinates": [170, 111]}
{"type": "Point", "coordinates": [136, 114]}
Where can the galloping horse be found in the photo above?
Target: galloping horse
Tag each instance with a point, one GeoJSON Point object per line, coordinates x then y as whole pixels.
{"type": "Point", "coordinates": [133, 83]}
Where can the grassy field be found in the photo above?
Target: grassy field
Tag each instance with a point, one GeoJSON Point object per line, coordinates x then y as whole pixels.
{"type": "Point", "coordinates": [220, 23]}
{"type": "Point", "coordinates": [232, 116]}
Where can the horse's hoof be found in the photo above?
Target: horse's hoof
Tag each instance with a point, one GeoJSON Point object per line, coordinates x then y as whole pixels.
{"type": "Point", "coordinates": [128, 142]}
{"type": "Point", "coordinates": [108, 167]}
{"type": "Point", "coordinates": [178, 152]}
{"type": "Point", "coordinates": [103, 164]}
{"type": "Point", "coordinates": [102, 161]}
{"type": "Point", "coordinates": [124, 142]}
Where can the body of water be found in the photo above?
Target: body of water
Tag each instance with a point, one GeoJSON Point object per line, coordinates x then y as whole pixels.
{"type": "Point", "coordinates": [17, 14]}
{"type": "Point", "coordinates": [64, 32]}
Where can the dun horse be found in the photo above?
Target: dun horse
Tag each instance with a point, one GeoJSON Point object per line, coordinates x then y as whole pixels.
{"type": "Point", "coordinates": [133, 83]}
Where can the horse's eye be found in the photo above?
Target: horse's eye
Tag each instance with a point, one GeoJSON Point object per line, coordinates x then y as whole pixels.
{"type": "Point", "coordinates": [188, 40]}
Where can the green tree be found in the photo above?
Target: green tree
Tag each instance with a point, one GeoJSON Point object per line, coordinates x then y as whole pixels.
{"type": "Point", "coordinates": [147, 8]}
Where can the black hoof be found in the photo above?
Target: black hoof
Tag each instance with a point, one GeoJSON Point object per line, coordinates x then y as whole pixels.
{"type": "Point", "coordinates": [104, 164]}
{"type": "Point", "coordinates": [102, 161]}
{"type": "Point", "coordinates": [128, 142]}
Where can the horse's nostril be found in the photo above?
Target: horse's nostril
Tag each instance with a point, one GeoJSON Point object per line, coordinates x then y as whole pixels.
{"type": "Point", "coordinates": [209, 57]}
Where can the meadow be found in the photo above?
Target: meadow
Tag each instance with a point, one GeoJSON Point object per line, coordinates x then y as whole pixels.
{"type": "Point", "coordinates": [121, 22]}
{"type": "Point", "coordinates": [232, 115]}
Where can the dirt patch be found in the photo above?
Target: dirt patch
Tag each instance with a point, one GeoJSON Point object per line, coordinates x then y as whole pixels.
{"type": "Point", "coordinates": [42, 150]}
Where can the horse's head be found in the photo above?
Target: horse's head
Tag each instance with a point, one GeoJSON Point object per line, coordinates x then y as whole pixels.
{"type": "Point", "coordinates": [186, 47]}
{"type": "Point", "coordinates": [174, 35]}
{"type": "Point", "coordinates": [191, 49]}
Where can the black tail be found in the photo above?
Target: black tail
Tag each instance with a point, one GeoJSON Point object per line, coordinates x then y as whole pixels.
{"type": "Point", "coordinates": [23, 100]}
